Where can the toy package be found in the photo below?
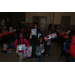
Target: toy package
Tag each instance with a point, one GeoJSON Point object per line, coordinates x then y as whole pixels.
{"type": "Point", "coordinates": [53, 36]}
{"type": "Point", "coordinates": [38, 51]}
{"type": "Point", "coordinates": [21, 48]}
{"type": "Point", "coordinates": [34, 32]}
{"type": "Point", "coordinates": [28, 52]}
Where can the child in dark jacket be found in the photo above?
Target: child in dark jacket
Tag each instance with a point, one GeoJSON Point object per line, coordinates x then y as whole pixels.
{"type": "Point", "coordinates": [41, 44]}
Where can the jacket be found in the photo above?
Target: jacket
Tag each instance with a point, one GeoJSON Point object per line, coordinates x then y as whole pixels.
{"type": "Point", "coordinates": [67, 44]}
{"type": "Point", "coordinates": [72, 47]}
{"type": "Point", "coordinates": [21, 42]}
{"type": "Point", "coordinates": [34, 39]}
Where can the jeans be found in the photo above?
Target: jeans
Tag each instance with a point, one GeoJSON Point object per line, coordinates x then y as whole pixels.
{"type": "Point", "coordinates": [21, 57]}
{"type": "Point", "coordinates": [71, 59]}
{"type": "Point", "coordinates": [33, 49]}
{"type": "Point", "coordinates": [48, 48]}
{"type": "Point", "coordinates": [42, 58]}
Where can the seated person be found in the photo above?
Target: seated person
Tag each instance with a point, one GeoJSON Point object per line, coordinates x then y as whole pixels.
{"type": "Point", "coordinates": [68, 31]}
{"type": "Point", "coordinates": [67, 44]}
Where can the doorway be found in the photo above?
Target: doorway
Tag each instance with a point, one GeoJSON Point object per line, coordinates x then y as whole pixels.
{"type": "Point", "coordinates": [42, 21]}
{"type": "Point", "coordinates": [65, 22]}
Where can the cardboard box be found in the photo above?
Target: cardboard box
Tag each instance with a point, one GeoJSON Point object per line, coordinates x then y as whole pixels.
{"type": "Point", "coordinates": [9, 51]}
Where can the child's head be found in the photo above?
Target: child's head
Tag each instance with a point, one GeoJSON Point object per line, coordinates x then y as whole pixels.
{"type": "Point", "coordinates": [21, 35]}
{"type": "Point", "coordinates": [41, 39]}
{"type": "Point", "coordinates": [50, 32]}
{"type": "Point", "coordinates": [35, 25]}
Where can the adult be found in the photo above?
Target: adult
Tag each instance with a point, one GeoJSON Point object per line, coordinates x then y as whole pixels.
{"type": "Point", "coordinates": [72, 50]}
{"type": "Point", "coordinates": [34, 39]}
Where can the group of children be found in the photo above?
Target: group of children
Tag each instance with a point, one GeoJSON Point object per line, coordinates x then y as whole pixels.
{"type": "Point", "coordinates": [35, 41]}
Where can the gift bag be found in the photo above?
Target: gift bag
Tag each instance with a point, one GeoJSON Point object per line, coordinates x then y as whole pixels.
{"type": "Point", "coordinates": [38, 51]}
{"type": "Point", "coordinates": [28, 52]}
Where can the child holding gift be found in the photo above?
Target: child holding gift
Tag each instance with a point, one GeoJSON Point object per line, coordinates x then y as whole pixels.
{"type": "Point", "coordinates": [21, 40]}
{"type": "Point", "coordinates": [41, 44]}
{"type": "Point", "coordinates": [48, 44]}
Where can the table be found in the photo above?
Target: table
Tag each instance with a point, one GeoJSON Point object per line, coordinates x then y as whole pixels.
{"type": "Point", "coordinates": [65, 37]}
{"type": "Point", "coordinates": [6, 34]}
{"type": "Point", "coordinates": [62, 34]}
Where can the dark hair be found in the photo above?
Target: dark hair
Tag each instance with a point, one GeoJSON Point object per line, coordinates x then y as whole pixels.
{"type": "Point", "coordinates": [35, 23]}
{"type": "Point", "coordinates": [38, 42]}
{"type": "Point", "coordinates": [55, 26]}
{"type": "Point", "coordinates": [19, 37]}
{"type": "Point", "coordinates": [50, 25]}
{"type": "Point", "coordinates": [41, 37]}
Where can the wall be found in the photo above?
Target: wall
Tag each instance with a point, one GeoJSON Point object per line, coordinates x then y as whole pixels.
{"type": "Point", "coordinates": [57, 17]}
{"type": "Point", "coordinates": [29, 15]}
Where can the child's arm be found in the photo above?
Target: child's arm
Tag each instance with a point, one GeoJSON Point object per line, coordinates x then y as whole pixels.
{"type": "Point", "coordinates": [15, 43]}
{"type": "Point", "coordinates": [26, 42]}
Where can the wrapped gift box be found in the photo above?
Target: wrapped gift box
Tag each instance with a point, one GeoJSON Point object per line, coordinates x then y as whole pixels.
{"type": "Point", "coordinates": [9, 51]}
{"type": "Point", "coordinates": [34, 32]}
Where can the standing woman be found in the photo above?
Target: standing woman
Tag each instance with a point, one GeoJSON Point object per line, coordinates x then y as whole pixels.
{"type": "Point", "coordinates": [34, 39]}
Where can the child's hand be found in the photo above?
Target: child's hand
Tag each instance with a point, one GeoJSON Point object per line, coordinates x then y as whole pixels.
{"type": "Point", "coordinates": [46, 39]}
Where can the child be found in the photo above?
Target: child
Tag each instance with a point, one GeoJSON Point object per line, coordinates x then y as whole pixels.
{"type": "Point", "coordinates": [21, 40]}
{"type": "Point", "coordinates": [48, 44]}
{"type": "Point", "coordinates": [34, 39]}
{"type": "Point", "coordinates": [41, 44]}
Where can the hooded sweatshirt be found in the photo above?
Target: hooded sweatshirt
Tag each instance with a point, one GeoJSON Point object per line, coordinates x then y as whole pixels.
{"type": "Point", "coordinates": [21, 42]}
{"type": "Point", "coordinates": [72, 47]}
